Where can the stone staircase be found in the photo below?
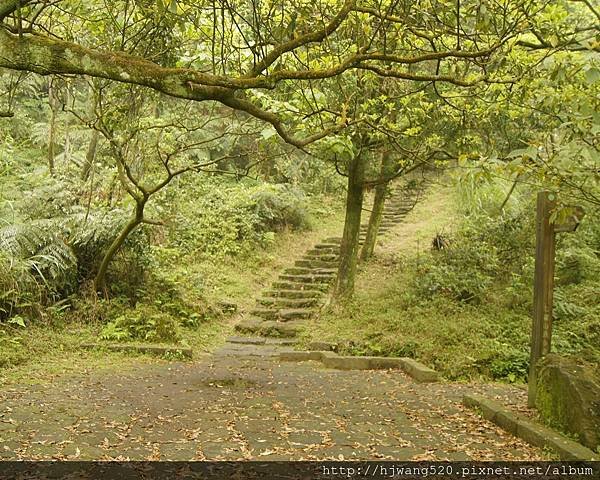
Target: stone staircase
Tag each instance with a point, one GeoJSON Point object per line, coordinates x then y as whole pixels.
{"type": "Point", "coordinates": [301, 290]}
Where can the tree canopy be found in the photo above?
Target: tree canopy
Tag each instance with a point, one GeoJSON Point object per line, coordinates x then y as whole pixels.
{"type": "Point", "coordinates": [215, 50]}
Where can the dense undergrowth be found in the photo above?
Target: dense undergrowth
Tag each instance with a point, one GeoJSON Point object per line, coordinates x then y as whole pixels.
{"type": "Point", "coordinates": [465, 308]}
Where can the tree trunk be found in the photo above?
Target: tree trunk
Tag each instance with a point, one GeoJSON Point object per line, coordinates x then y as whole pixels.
{"type": "Point", "coordinates": [53, 102]}
{"type": "Point", "coordinates": [67, 149]}
{"type": "Point", "coordinates": [134, 222]}
{"type": "Point", "coordinates": [344, 286]}
{"type": "Point", "coordinates": [377, 210]}
{"type": "Point", "coordinates": [90, 155]}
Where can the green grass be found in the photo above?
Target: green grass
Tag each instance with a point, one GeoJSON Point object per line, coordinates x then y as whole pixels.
{"type": "Point", "coordinates": [38, 352]}
{"type": "Point", "coordinates": [240, 278]}
{"type": "Point", "coordinates": [461, 341]}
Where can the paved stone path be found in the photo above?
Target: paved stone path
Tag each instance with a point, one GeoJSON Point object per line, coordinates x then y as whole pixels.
{"type": "Point", "coordinates": [242, 403]}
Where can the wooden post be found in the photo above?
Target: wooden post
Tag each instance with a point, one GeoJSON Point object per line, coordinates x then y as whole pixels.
{"type": "Point", "coordinates": [541, 333]}
{"type": "Point", "coordinates": [543, 288]}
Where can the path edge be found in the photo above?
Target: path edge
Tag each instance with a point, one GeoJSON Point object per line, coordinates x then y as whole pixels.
{"type": "Point", "coordinates": [528, 431]}
{"type": "Point", "coordinates": [412, 368]}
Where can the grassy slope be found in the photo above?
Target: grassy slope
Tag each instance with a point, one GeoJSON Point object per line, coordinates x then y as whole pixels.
{"type": "Point", "coordinates": [386, 316]}
{"type": "Point", "coordinates": [242, 278]}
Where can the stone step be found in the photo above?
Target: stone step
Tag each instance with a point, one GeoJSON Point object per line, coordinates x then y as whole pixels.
{"type": "Point", "coordinates": [271, 328]}
{"type": "Point", "coordinates": [296, 313]}
{"type": "Point", "coordinates": [316, 264]}
{"type": "Point", "coordinates": [310, 271]}
{"type": "Point", "coordinates": [333, 246]}
{"type": "Point", "coordinates": [323, 251]}
{"type": "Point", "coordinates": [283, 302]}
{"type": "Point", "coordinates": [283, 314]}
{"type": "Point", "coordinates": [381, 229]}
{"type": "Point", "coordinates": [320, 287]}
{"type": "Point", "coordinates": [289, 329]}
{"type": "Point", "coordinates": [265, 313]}
{"type": "Point", "coordinates": [398, 210]}
{"type": "Point", "coordinates": [312, 279]}
{"type": "Point", "coordinates": [298, 270]}
{"type": "Point", "coordinates": [393, 215]}
{"type": "Point", "coordinates": [393, 220]}
{"type": "Point", "coordinates": [250, 325]}
{"type": "Point", "coordinates": [246, 340]}
{"type": "Point", "coordinates": [328, 257]}
{"type": "Point", "coordinates": [298, 294]}
{"type": "Point", "coordinates": [280, 342]}
{"type": "Point", "coordinates": [336, 240]}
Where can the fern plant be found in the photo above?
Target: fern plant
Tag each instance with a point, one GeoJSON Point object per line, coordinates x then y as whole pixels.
{"type": "Point", "coordinates": [35, 265]}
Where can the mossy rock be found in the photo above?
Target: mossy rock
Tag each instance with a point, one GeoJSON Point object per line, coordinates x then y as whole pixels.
{"type": "Point", "coordinates": [568, 398]}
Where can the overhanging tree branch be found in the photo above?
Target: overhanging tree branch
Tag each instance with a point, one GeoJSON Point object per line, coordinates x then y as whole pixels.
{"type": "Point", "coordinates": [312, 37]}
{"type": "Point", "coordinates": [8, 7]}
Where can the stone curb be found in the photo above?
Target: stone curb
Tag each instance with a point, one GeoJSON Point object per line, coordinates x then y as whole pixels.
{"type": "Point", "coordinates": [414, 369]}
{"type": "Point", "coordinates": [155, 350]}
{"type": "Point", "coordinates": [534, 434]}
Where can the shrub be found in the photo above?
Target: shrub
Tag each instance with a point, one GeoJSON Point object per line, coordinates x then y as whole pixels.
{"type": "Point", "coordinates": [484, 250]}
{"type": "Point", "coordinates": [36, 267]}
{"type": "Point", "coordinates": [144, 323]}
{"type": "Point", "coordinates": [233, 217]}
{"type": "Point", "coordinates": [90, 235]}
{"type": "Point", "coordinates": [464, 271]}
{"type": "Point", "coordinates": [279, 206]}
{"type": "Point", "coordinates": [578, 255]}
{"type": "Point", "coordinates": [163, 307]}
{"type": "Point", "coordinates": [508, 363]}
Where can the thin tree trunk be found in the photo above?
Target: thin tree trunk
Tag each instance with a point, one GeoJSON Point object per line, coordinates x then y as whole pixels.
{"type": "Point", "coordinates": [53, 102]}
{"type": "Point", "coordinates": [510, 192]}
{"type": "Point", "coordinates": [134, 222]}
{"type": "Point", "coordinates": [344, 286]}
{"type": "Point", "coordinates": [67, 150]}
{"type": "Point", "coordinates": [377, 210]}
{"type": "Point", "coordinates": [90, 155]}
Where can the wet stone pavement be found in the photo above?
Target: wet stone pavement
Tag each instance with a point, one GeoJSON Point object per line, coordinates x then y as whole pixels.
{"type": "Point", "coordinates": [243, 403]}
